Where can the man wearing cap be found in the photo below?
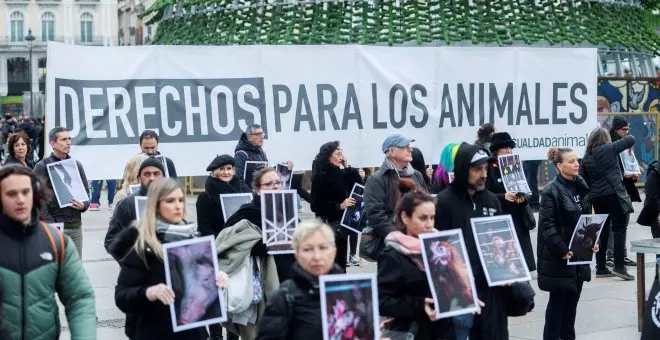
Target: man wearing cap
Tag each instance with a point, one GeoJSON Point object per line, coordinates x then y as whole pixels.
{"type": "Point", "coordinates": [151, 169]}
{"type": "Point", "coordinates": [465, 198]}
{"type": "Point", "coordinates": [380, 191]}
{"type": "Point", "coordinates": [619, 130]}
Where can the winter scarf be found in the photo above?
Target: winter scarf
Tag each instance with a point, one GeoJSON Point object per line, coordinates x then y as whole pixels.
{"type": "Point", "coordinates": [175, 232]}
{"type": "Point", "coordinates": [406, 245]}
{"type": "Point", "coordinates": [407, 171]}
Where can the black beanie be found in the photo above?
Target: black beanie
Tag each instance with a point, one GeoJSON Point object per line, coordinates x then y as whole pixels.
{"type": "Point", "coordinates": [619, 122]}
{"type": "Point", "coordinates": [151, 161]}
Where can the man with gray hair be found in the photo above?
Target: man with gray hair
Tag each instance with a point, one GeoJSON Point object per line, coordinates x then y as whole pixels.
{"type": "Point", "coordinates": [60, 140]}
{"type": "Point", "coordinates": [381, 189]}
{"type": "Point", "coordinates": [249, 149]}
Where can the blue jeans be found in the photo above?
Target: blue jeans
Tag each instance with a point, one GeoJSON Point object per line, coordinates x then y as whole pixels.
{"type": "Point", "coordinates": [97, 185]}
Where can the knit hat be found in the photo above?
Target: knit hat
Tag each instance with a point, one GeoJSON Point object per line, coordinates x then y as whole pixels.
{"type": "Point", "coordinates": [619, 122]}
{"type": "Point", "coordinates": [151, 161]}
{"type": "Point", "coordinates": [219, 161]}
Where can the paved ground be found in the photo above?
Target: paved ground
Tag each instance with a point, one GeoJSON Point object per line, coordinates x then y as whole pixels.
{"type": "Point", "coordinates": [607, 309]}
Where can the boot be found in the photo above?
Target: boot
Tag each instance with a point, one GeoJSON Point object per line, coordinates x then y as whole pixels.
{"type": "Point", "coordinates": [619, 266]}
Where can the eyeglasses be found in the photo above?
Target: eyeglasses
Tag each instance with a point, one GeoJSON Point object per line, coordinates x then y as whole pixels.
{"type": "Point", "coordinates": [270, 184]}
{"type": "Point", "coordinates": [260, 134]}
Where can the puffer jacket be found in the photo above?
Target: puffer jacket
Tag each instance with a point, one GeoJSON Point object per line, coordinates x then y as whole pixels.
{"type": "Point", "coordinates": [558, 217]}
{"type": "Point", "coordinates": [210, 216]}
{"type": "Point", "coordinates": [31, 274]}
{"type": "Point", "coordinates": [601, 170]}
{"type": "Point", "coordinates": [244, 152]}
{"type": "Point", "coordinates": [380, 197]}
{"type": "Point", "coordinates": [53, 213]}
{"type": "Point", "coordinates": [294, 311]}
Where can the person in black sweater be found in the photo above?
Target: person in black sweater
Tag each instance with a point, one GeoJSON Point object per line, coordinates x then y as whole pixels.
{"type": "Point", "coordinates": [222, 180]}
{"type": "Point", "coordinates": [564, 200]}
{"type": "Point", "coordinates": [332, 182]}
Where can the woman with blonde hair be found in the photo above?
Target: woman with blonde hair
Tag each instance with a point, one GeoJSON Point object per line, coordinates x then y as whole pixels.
{"type": "Point", "coordinates": [141, 288]}
{"type": "Point", "coordinates": [131, 172]}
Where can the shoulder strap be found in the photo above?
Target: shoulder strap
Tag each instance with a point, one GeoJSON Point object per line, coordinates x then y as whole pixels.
{"type": "Point", "coordinates": [58, 247]}
{"type": "Point", "coordinates": [247, 157]}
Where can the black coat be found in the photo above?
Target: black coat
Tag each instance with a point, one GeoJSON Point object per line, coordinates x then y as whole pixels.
{"type": "Point", "coordinates": [454, 209]}
{"type": "Point", "coordinates": [301, 318]}
{"type": "Point", "coordinates": [152, 318]}
{"type": "Point", "coordinates": [558, 217]}
{"type": "Point", "coordinates": [244, 152]}
{"type": "Point", "coordinates": [495, 185]}
{"type": "Point", "coordinates": [13, 160]}
{"type": "Point", "coordinates": [252, 213]}
{"type": "Point", "coordinates": [210, 216]}
{"type": "Point", "coordinates": [601, 170]}
{"type": "Point", "coordinates": [649, 214]}
{"type": "Point", "coordinates": [330, 187]}
{"type": "Point", "coordinates": [402, 288]}
{"type": "Point", "coordinates": [123, 217]}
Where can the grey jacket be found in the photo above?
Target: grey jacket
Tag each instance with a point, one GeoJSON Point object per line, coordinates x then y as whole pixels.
{"type": "Point", "coordinates": [52, 213]}
{"type": "Point", "coordinates": [380, 197]}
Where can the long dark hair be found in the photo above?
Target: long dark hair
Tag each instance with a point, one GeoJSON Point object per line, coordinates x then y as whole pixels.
{"type": "Point", "coordinates": [419, 164]}
{"type": "Point", "coordinates": [322, 159]}
{"type": "Point", "coordinates": [408, 203]}
{"type": "Point", "coordinates": [598, 137]}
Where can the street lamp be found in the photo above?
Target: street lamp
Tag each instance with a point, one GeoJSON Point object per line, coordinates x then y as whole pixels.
{"type": "Point", "coordinates": [30, 39]}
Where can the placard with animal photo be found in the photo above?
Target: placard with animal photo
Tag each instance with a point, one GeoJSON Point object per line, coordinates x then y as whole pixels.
{"type": "Point", "coordinates": [164, 160]}
{"type": "Point", "coordinates": [190, 271]}
{"type": "Point", "coordinates": [353, 215]}
{"type": "Point", "coordinates": [349, 307]}
{"type": "Point", "coordinates": [629, 161]}
{"type": "Point", "coordinates": [279, 219]}
{"type": "Point", "coordinates": [251, 169]}
{"type": "Point", "coordinates": [449, 273]}
{"type": "Point", "coordinates": [66, 182]}
{"type": "Point", "coordinates": [286, 175]}
{"type": "Point", "coordinates": [585, 237]}
{"type": "Point", "coordinates": [231, 202]}
{"type": "Point", "coordinates": [513, 175]}
{"type": "Point", "coordinates": [134, 188]}
{"type": "Point", "coordinates": [499, 250]}
{"type": "Point", "coordinates": [59, 226]}
{"type": "Point", "coordinates": [140, 206]}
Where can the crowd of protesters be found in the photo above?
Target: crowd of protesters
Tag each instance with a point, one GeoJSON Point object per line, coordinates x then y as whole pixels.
{"type": "Point", "coordinates": [404, 198]}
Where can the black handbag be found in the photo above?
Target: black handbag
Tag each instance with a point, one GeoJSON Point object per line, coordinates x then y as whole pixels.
{"type": "Point", "coordinates": [528, 217]}
{"type": "Point", "coordinates": [371, 245]}
{"type": "Point", "coordinates": [520, 299]}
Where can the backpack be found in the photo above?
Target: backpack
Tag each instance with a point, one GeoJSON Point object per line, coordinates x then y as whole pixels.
{"type": "Point", "coordinates": [58, 247]}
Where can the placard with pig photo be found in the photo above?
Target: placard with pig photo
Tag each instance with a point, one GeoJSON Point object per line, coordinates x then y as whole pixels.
{"type": "Point", "coordinates": [190, 271]}
{"type": "Point", "coordinates": [231, 202]}
{"type": "Point", "coordinates": [349, 306]}
{"type": "Point", "coordinates": [279, 219]}
{"type": "Point", "coordinates": [140, 206]}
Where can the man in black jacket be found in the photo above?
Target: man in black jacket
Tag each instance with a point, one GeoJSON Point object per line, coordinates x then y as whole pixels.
{"type": "Point", "coordinates": [465, 198]}
{"type": "Point", "coordinates": [150, 170]}
{"type": "Point", "coordinates": [619, 130]}
{"type": "Point", "coordinates": [149, 146]}
{"type": "Point", "coordinates": [60, 141]}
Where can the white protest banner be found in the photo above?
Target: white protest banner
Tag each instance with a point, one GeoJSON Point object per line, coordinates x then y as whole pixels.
{"type": "Point", "coordinates": [199, 99]}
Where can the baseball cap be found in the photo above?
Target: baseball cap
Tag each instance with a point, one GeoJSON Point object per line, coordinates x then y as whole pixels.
{"type": "Point", "coordinates": [396, 141]}
{"type": "Point", "coordinates": [479, 157]}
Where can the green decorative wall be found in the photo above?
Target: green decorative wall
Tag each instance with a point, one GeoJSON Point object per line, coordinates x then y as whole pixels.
{"type": "Point", "coordinates": [437, 22]}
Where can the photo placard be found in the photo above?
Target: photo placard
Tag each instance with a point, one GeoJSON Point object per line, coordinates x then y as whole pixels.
{"type": "Point", "coordinates": [134, 188]}
{"type": "Point", "coordinates": [353, 215]}
{"type": "Point", "coordinates": [286, 175]}
{"type": "Point", "coordinates": [251, 169]}
{"type": "Point", "coordinates": [190, 271]}
{"type": "Point", "coordinates": [164, 160]}
{"type": "Point", "coordinates": [349, 306]}
{"type": "Point", "coordinates": [513, 175]}
{"type": "Point", "coordinates": [232, 202]}
{"type": "Point", "coordinates": [279, 219]}
{"type": "Point", "coordinates": [140, 206]}
{"type": "Point", "coordinates": [499, 250]}
{"type": "Point", "coordinates": [629, 162]}
{"type": "Point", "coordinates": [66, 182]}
{"type": "Point", "coordinates": [585, 237]}
{"type": "Point", "coordinates": [449, 273]}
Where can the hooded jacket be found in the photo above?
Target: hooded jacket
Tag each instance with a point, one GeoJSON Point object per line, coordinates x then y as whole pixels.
{"type": "Point", "coordinates": [454, 209]}
{"type": "Point", "coordinates": [294, 311]}
{"type": "Point", "coordinates": [628, 183]}
{"type": "Point", "coordinates": [649, 214]}
{"type": "Point", "coordinates": [52, 213]}
{"type": "Point", "coordinates": [31, 274]}
{"type": "Point", "coordinates": [210, 216]}
{"type": "Point", "coordinates": [123, 217]}
{"type": "Point", "coordinates": [244, 152]}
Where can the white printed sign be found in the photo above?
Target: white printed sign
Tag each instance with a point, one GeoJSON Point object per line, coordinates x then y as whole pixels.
{"type": "Point", "coordinates": [304, 96]}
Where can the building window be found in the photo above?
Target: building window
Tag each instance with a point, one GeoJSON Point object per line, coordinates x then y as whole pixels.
{"type": "Point", "coordinates": [86, 32]}
{"type": "Point", "coordinates": [16, 23]}
{"type": "Point", "coordinates": [48, 26]}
